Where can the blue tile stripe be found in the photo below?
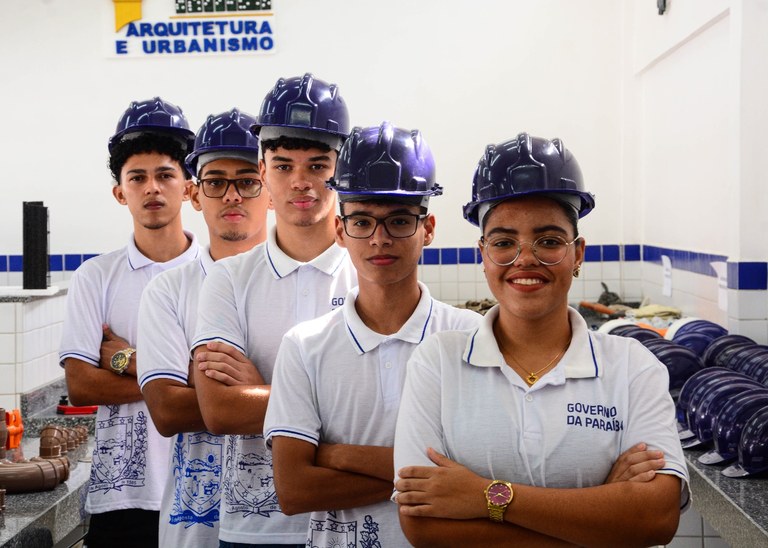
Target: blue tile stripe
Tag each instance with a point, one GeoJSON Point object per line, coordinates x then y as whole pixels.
{"type": "Point", "coordinates": [745, 275]}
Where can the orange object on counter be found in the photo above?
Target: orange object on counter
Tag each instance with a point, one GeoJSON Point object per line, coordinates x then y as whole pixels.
{"type": "Point", "coordinates": [15, 428]}
{"type": "Point", "coordinates": [660, 330]}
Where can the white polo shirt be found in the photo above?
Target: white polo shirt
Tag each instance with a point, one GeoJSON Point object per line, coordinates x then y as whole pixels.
{"type": "Point", "coordinates": [129, 458]}
{"type": "Point", "coordinates": [337, 381]}
{"type": "Point", "coordinates": [250, 301]}
{"type": "Point", "coordinates": [189, 514]}
{"type": "Point", "coordinates": [567, 430]}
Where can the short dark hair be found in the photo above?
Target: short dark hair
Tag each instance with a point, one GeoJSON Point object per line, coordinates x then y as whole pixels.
{"type": "Point", "coordinates": [147, 143]}
{"type": "Point", "coordinates": [293, 143]}
{"type": "Point", "coordinates": [570, 212]}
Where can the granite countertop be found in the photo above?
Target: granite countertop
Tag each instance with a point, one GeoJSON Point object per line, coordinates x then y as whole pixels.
{"type": "Point", "coordinates": [40, 519]}
{"type": "Point", "coordinates": [17, 294]}
{"type": "Point", "coordinates": [736, 508]}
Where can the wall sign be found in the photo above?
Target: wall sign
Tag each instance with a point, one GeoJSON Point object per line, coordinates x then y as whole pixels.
{"type": "Point", "coordinates": [165, 28]}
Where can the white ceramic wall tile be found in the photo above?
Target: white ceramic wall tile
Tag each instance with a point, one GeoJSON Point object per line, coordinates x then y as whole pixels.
{"type": "Point", "coordinates": [469, 272]}
{"type": "Point", "coordinates": [4, 279]}
{"type": "Point", "coordinates": [611, 271]}
{"type": "Point", "coordinates": [576, 293]}
{"type": "Point", "coordinates": [434, 289]}
{"type": "Point", "coordinates": [8, 378]}
{"type": "Point", "coordinates": [483, 291]}
{"type": "Point", "coordinates": [9, 402]}
{"type": "Point", "coordinates": [7, 348]}
{"type": "Point", "coordinates": [748, 304]}
{"type": "Point", "coordinates": [430, 274]}
{"type": "Point", "coordinates": [467, 291]}
{"type": "Point", "coordinates": [449, 273]}
{"type": "Point", "coordinates": [632, 290]}
{"type": "Point", "coordinates": [8, 317]}
{"type": "Point", "coordinates": [757, 330]}
{"type": "Point", "coordinates": [449, 292]}
{"type": "Point", "coordinates": [690, 524]}
{"type": "Point", "coordinates": [631, 270]}
{"type": "Point", "coordinates": [15, 279]}
{"type": "Point", "coordinates": [591, 271]}
{"type": "Point", "coordinates": [56, 277]}
{"type": "Point", "coordinates": [592, 290]}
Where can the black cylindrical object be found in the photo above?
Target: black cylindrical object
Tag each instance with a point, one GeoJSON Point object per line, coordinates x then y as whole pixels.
{"type": "Point", "coordinates": [35, 258]}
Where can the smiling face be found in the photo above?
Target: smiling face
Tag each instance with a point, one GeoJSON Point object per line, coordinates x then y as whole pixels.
{"type": "Point", "coordinates": [528, 289]}
{"type": "Point", "coordinates": [296, 180]}
{"type": "Point", "coordinates": [153, 186]}
{"type": "Point", "coordinates": [381, 259]}
{"type": "Point", "coordinates": [232, 218]}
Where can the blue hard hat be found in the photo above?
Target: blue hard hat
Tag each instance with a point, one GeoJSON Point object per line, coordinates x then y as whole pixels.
{"type": "Point", "coordinates": [729, 425]}
{"type": "Point", "coordinates": [710, 355]}
{"type": "Point", "coordinates": [701, 423]}
{"type": "Point", "coordinates": [640, 333]}
{"type": "Point", "coordinates": [695, 340]}
{"type": "Point", "coordinates": [154, 116]}
{"type": "Point", "coordinates": [527, 166]}
{"type": "Point", "coordinates": [385, 161]}
{"type": "Point", "coordinates": [681, 362]}
{"type": "Point", "coordinates": [753, 447]}
{"type": "Point", "coordinates": [701, 326]}
{"type": "Point", "coordinates": [228, 131]}
{"type": "Point", "coordinates": [691, 387]}
{"type": "Point", "coordinates": [304, 102]}
{"type": "Point", "coordinates": [701, 392]}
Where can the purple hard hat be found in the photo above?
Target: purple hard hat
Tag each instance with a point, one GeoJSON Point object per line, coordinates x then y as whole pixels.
{"type": "Point", "coordinates": [700, 394]}
{"type": "Point", "coordinates": [748, 358]}
{"type": "Point", "coordinates": [385, 161]}
{"type": "Point", "coordinates": [753, 447]}
{"type": "Point", "coordinates": [154, 116]}
{"type": "Point", "coordinates": [701, 326]}
{"type": "Point", "coordinates": [682, 363]}
{"type": "Point", "coordinates": [640, 333]}
{"type": "Point", "coordinates": [712, 403]}
{"type": "Point", "coordinates": [719, 344]}
{"type": "Point", "coordinates": [696, 341]}
{"type": "Point", "coordinates": [729, 425]}
{"type": "Point", "coordinates": [690, 388]}
{"type": "Point", "coordinates": [304, 102]}
{"type": "Point", "coordinates": [229, 131]}
{"type": "Point", "coordinates": [527, 166]}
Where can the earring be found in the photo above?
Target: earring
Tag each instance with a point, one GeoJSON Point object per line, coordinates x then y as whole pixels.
{"type": "Point", "coordinates": [577, 271]}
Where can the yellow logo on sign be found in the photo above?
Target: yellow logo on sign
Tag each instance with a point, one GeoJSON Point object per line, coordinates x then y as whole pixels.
{"type": "Point", "coordinates": [126, 11]}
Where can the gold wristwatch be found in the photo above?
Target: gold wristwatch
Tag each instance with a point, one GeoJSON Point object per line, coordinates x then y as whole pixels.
{"type": "Point", "coordinates": [121, 359]}
{"type": "Point", "coordinates": [498, 495]}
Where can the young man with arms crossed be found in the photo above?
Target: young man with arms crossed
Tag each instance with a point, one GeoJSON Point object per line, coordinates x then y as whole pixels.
{"type": "Point", "coordinates": [338, 378]}
{"type": "Point", "coordinates": [229, 192]}
{"type": "Point", "coordinates": [248, 302]}
{"type": "Point", "coordinates": [128, 472]}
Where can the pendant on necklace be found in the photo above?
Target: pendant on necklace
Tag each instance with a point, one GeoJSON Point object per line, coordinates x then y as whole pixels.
{"type": "Point", "coordinates": [532, 378]}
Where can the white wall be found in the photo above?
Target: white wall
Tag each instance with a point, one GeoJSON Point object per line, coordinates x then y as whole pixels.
{"type": "Point", "coordinates": [466, 75]}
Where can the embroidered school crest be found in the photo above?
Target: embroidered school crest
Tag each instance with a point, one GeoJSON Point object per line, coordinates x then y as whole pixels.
{"type": "Point", "coordinates": [119, 458]}
{"type": "Point", "coordinates": [197, 461]}
{"type": "Point", "coordinates": [249, 487]}
{"type": "Point", "coordinates": [332, 532]}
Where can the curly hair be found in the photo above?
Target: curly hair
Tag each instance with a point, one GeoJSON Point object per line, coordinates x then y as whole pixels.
{"type": "Point", "coordinates": [147, 143]}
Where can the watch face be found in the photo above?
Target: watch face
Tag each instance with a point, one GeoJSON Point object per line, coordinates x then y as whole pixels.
{"type": "Point", "coordinates": [499, 494]}
{"type": "Point", "coordinates": [119, 360]}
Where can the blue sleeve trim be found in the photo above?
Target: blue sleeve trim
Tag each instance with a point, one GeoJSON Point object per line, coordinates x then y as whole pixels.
{"type": "Point", "coordinates": [206, 340]}
{"type": "Point", "coordinates": [154, 375]}
{"type": "Point", "coordinates": [273, 432]}
{"type": "Point", "coordinates": [81, 357]}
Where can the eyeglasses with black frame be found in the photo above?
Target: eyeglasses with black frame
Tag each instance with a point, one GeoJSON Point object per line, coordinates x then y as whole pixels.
{"type": "Point", "coordinates": [399, 225]}
{"type": "Point", "coordinates": [504, 250]}
{"type": "Point", "coordinates": [217, 187]}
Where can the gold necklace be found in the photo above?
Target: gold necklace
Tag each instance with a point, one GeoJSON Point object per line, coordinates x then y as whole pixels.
{"type": "Point", "coordinates": [533, 376]}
